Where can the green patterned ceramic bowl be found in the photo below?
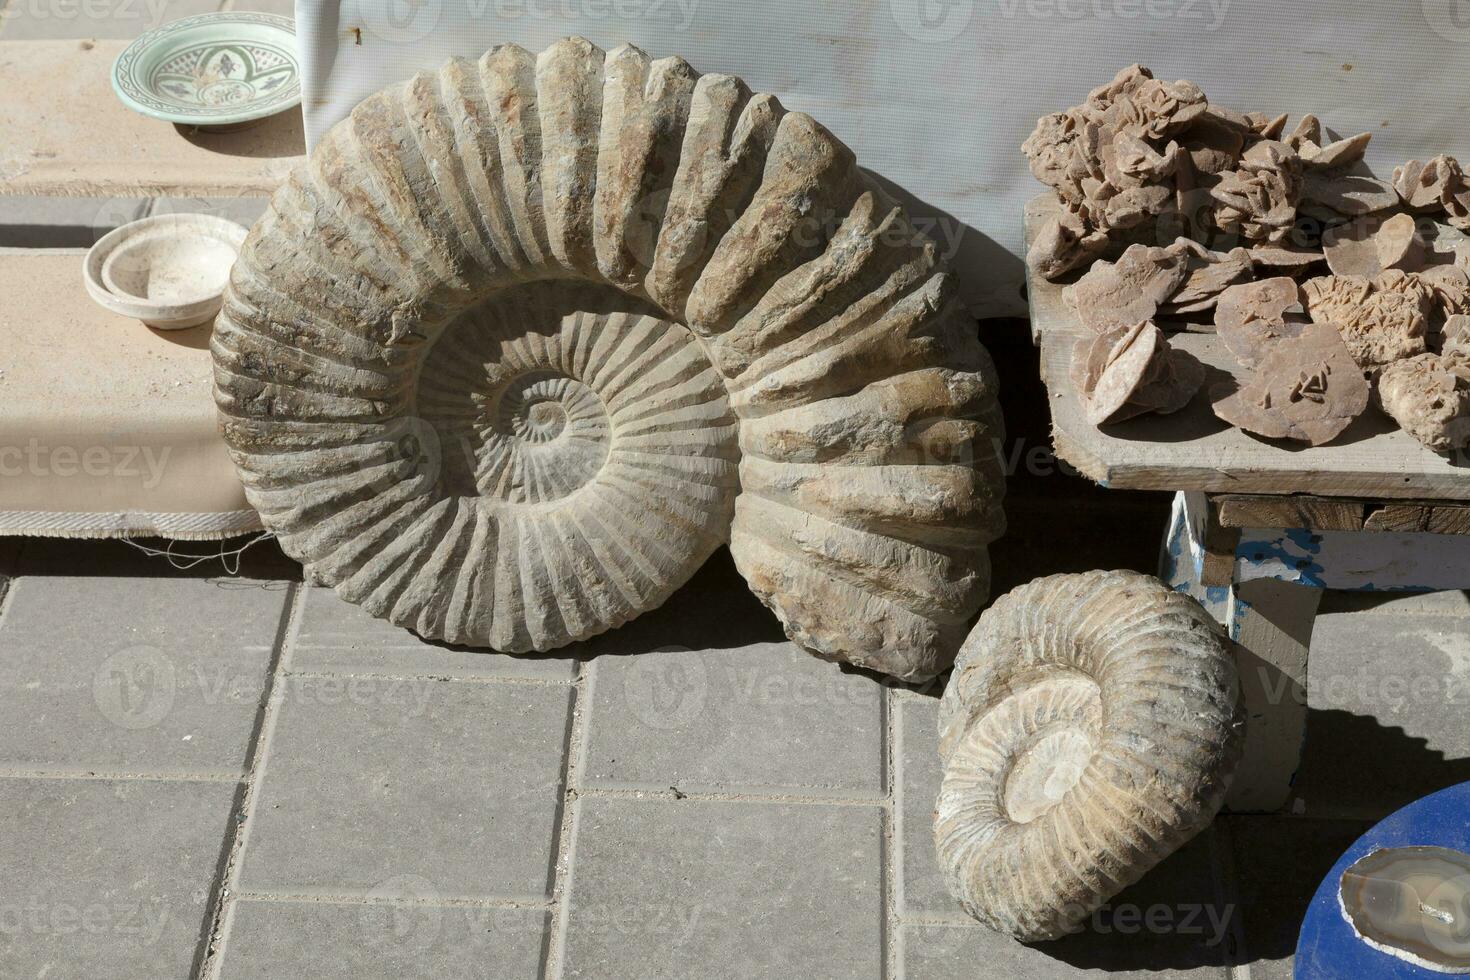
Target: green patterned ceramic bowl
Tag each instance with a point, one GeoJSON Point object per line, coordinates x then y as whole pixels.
{"type": "Point", "coordinates": [211, 70]}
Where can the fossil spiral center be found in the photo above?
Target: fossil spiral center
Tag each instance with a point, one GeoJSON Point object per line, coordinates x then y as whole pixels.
{"type": "Point", "coordinates": [532, 392]}
{"type": "Point", "coordinates": [544, 421]}
{"type": "Point", "coordinates": [1046, 769]}
{"type": "Point", "coordinates": [1031, 747]}
{"type": "Point", "coordinates": [535, 408]}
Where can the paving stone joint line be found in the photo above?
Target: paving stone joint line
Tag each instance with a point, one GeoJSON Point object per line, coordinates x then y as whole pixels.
{"type": "Point", "coordinates": [258, 751]}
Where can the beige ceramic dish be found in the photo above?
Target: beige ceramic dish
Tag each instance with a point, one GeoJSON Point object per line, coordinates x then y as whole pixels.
{"type": "Point", "coordinates": [168, 271]}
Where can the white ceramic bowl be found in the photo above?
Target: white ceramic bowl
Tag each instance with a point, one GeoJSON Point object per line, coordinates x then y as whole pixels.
{"type": "Point", "coordinates": [168, 271]}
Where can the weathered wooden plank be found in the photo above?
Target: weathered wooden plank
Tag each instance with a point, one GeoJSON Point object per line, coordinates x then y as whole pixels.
{"type": "Point", "coordinates": [1449, 520]}
{"type": "Point", "coordinates": [1312, 513]}
{"type": "Point", "coordinates": [67, 135]}
{"type": "Point", "coordinates": [1193, 450]}
{"type": "Point", "coordinates": [1399, 517]}
{"type": "Point", "coordinates": [1428, 517]}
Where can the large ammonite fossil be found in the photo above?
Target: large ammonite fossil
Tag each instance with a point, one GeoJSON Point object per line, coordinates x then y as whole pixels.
{"type": "Point", "coordinates": [1091, 727]}
{"type": "Point", "coordinates": [527, 338]}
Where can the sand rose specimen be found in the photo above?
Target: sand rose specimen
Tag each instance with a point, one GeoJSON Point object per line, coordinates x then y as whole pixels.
{"type": "Point", "coordinates": [528, 337]}
{"type": "Point", "coordinates": [1132, 371]}
{"type": "Point", "coordinates": [1091, 727]}
{"type": "Point", "coordinates": [1306, 388]}
{"type": "Point", "coordinates": [1381, 320]}
{"type": "Point", "coordinates": [1429, 397]}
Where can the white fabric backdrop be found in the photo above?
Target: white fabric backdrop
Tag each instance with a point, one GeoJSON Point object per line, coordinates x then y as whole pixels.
{"type": "Point", "coordinates": [935, 96]}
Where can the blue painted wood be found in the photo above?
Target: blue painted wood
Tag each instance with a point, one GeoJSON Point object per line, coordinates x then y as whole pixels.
{"type": "Point", "coordinates": [1327, 948]}
{"type": "Point", "coordinates": [1181, 556]}
{"type": "Point", "coordinates": [1356, 561]}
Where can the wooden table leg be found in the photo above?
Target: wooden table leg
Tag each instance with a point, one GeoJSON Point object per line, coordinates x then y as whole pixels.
{"type": "Point", "coordinates": [1271, 623]}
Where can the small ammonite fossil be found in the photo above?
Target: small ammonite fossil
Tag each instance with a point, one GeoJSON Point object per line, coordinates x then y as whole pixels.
{"type": "Point", "coordinates": [528, 337]}
{"type": "Point", "coordinates": [1091, 727]}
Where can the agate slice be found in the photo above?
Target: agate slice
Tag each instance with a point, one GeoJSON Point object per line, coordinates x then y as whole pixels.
{"type": "Point", "coordinates": [1412, 903]}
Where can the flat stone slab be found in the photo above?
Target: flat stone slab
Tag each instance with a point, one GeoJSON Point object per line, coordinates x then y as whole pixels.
{"type": "Point", "coordinates": [67, 135]}
{"type": "Point", "coordinates": [336, 636]}
{"type": "Point", "coordinates": [134, 675]}
{"type": "Point", "coordinates": [63, 222]}
{"type": "Point", "coordinates": [687, 890]}
{"type": "Point", "coordinates": [108, 878]}
{"type": "Point", "coordinates": [369, 779]}
{"type": "Point", "coordinates": [329, 941]}
{"type": "Point", "coordinates": [957, 952]}
{"type": "Point", "coordinates": [1176, 922]}
{"type": "Point", "coordinates": [148, 458]}
{"type": "Point", "coordinates": [767, 717]}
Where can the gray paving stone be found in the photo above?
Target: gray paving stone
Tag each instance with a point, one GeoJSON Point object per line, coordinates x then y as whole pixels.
{"type": "Point", "coordinates": [457, 783]}
{"type": "Point", "coordinates": [129, 675]}
{"type": "Point", "coordinates": [107, 878]}
{"type": "Point", "coordinates": [687, 890]}
{"type": "Point", "coordinates": [766, 716]}
{"type": "Point", "coordinates": [328, 941]}
{"type": "Point", "coordinates": [1278, 863]}
{"type": "Point", "coordinates": [63, 222]}
{"type": "Point", "coordinates": [1390, 712]}
{"type": "Point", "coordinates": [920, 889]}
{"type": "Point", "coordinates": [1176, 922]}
{"type": "Point", "coordinates": [56, 20]}
{"type": "Point", "coordinates": [950, 952]}
{"type": "Point", "coordinates": [337, 636]}
{"type": "Point", "coordinates": [1452, 603]}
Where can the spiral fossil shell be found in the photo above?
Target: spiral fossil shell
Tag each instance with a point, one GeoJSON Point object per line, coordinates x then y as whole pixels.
{"type": "Point", "coordinates": [528, 337]}
{"type": "Point", "coordinates": [1091, 727]}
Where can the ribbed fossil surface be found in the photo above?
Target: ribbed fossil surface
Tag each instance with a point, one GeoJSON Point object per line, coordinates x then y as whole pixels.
{"type": "Point", "coordinates": [1091, 727]}
{"type": "Point", "coordinates": [527, 338]}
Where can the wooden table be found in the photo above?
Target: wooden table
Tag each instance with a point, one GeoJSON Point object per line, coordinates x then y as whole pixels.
{"type": "Point", "coordinates": [1259, 529]}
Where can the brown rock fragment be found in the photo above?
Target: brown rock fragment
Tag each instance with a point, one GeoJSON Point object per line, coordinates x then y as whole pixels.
{"type": "Point", "coordinates": [1259, 198]}
{"type": "Point", "coordinates": [1308, 390]}
{"type": "Point", "coordinates": [1066, 242]}
{"type": "Point", "coordinates": [1252, 317]}
{"type": "Point", "coordinates": [1350, 194]}
{"type": "Point", "coordinates": [1284, 259]}
{"type": "Point", "coordinates": [1367, 246]}
{"type": "Point", "coordinates": [1209, 274]}
{"type": "Point", "coordinates": [1438, 185]}
{"type": "Point", "coordinates": [1455, 335]}
{"type": "Point", "coordinates": [1114, 295]}
{"type": "Point", "coordinates": [1451, 287]}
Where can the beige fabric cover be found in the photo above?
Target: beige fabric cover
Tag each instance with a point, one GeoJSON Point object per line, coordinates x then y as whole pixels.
{"type": "Point", "coordinates": [107, 428]}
